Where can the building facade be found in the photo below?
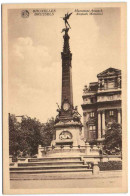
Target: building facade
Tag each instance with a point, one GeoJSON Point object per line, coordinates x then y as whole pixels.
{"type": "Point", "coordinates": [102, 104]}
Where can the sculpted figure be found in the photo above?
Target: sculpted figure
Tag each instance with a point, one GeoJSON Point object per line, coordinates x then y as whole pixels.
{"type": "Point", "coordinates": [57, 119]}
{"type": "Point", "coordinates": [59, 109]}
{"type": "Point", "coordinates": [85, 90]}
{"type": "Point", "coordinates": [76, 115]}
{"type": "Point", "coordinates": [65, 18]}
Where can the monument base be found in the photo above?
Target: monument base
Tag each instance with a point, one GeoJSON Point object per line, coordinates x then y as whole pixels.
{"type": "Point", "coordinates": [67, 150]}
{"type": "Point", "coordinates": [69, 133]}
{"type": "Point", "coordinates": [68, 141]}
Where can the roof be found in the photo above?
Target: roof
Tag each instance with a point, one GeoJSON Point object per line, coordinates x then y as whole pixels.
{"type": "Point", "coordinates": [109, 72]}
{"type": "Point", "coordinates": [93, 83]}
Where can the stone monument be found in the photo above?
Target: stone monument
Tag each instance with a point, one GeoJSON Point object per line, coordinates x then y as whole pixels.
{"type": "Point", "coordinates": [67, 123]}
{"type": "Point", "coordinates": [68, 139]}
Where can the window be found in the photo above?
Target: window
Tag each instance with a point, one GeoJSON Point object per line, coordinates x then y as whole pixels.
{"type": "Point", "coordinates": [111, 84]}
{"type": "Point", "coordinates": [92, 135]}
{"type": "Point", "coordinates": [91, 114]}
{"type": "Point", "coordinates": [105, 84]}
{"type": "Point", "coordinates": [92, 127]}
{"type": "Point", "coordinates": [111, 112]}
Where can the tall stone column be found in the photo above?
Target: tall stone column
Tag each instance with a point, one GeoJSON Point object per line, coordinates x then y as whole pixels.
{"type": "Point", "coordinates": [66, 55]}
{"type": "Point", "coordinates": [119, 116]}
{"type": "Point", "coordinates": [99, 125]}
{"type": "Point", "coordinates": [103, 122]}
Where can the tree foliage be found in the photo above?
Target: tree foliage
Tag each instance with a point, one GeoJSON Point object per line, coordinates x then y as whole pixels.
{"type": "Point", "coordinates": [25, 136]}
{"type": "Point", "coordinates": [47, 132]}
{"type": "Point", "coordinates": [113, 138]}
{"type": "Point", "coordinates": [14, 128]}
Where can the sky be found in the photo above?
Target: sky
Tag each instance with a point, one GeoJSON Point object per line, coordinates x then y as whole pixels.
{"type": "Point", "coordinates": [34, 57]}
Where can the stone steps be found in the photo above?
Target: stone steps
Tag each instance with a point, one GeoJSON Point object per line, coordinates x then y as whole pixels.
{"type": "Point", "coordinates": [62, 159]}
{"type": "Point", "coordinates": [48, 167]}
{"type": "Point", "coordinates": [50, 171]}
{"type": "Point", "coordinates": [50, 163]}
{"type": "Point", "coordinates": [81, 174]}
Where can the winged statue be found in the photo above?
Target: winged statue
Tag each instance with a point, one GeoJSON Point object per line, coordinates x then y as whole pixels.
{"type": "Point", "coordinates": [65, 18]}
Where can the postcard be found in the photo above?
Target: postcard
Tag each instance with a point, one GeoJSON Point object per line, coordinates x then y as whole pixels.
{"type": "Point", "coordinates": [64, 98]}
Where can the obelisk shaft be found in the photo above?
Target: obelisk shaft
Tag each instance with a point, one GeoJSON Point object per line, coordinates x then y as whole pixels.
{"type": "Point", "coordinates": [66, 55]}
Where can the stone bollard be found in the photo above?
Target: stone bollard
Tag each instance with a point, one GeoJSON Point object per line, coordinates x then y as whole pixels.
{"type": "Point", "coordinates": [10, 159]}
{"type": "Point", "coordinates": [85, 162]}
{"type": "Point", "coordinates": [16, 164]}
{"type": "Point", "coordinates": [39, 151]}
{"type": "Point", "coordinates": [82, 158]}
{"type": "Point", "coordinates": [26, 160]}
{"type": "Point", "coordinates": [87, 149]}
{"type": "Point", "coordinates": [96, 149]}
{"type": "Point", "coordinates": [96, 168]}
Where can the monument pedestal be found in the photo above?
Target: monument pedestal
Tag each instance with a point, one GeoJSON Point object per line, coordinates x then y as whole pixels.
{"type": "Point", "coordinates": [69, 133]}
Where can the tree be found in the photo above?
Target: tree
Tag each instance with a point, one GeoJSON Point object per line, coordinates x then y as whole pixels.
{"type": "Point", "coordinates": [113, 138]}
{"type": "Point", "coordinates": [14, 128]}
{"type": "Point", "coordinates": [30, 136]}
{"type": "Point", "coordinates": [47, 132]}
{"type": "Point", "coordinates": [25, 137]}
